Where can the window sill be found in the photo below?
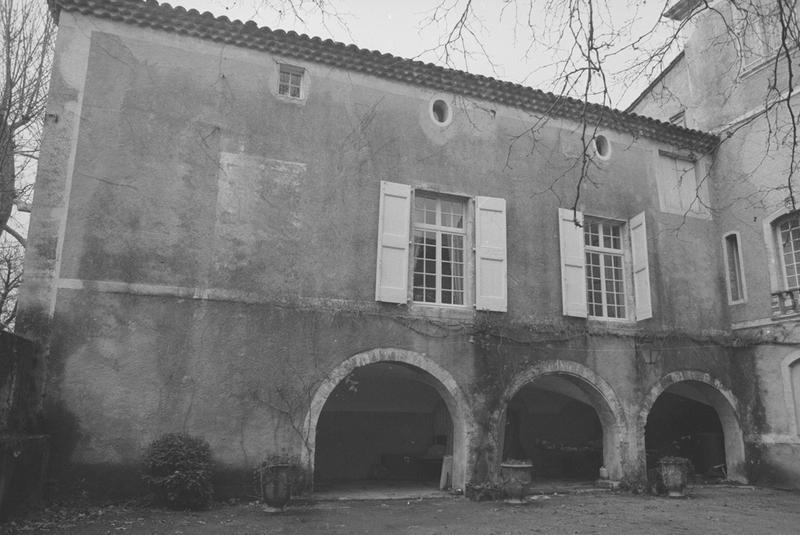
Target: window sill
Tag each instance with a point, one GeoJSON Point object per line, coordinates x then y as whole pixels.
{"type": "Point", "coordinates": [297, 101]}
{"type": "Point", "coordinates": [447, 312]}
{"type": "Point", "coordinates": [605, 326]}
{"type": "Point", "coordinates": [616, 321]}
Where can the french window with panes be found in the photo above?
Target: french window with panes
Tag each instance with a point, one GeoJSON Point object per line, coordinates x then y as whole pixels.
{"type": "Point", "coordinates": [604, 267]}
{"type": "Point", "coordinates": [605, 281]}
{"type": "Point", "coordinates": [438, 249]}
{"type": "Point", "coordinates": [787, 234]}
{"type": "Point", "coordinates": [430, 236]}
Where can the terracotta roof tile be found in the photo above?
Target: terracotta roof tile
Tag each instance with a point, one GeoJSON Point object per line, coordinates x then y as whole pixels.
{"type": "Point", "coordinates": [151, 14]}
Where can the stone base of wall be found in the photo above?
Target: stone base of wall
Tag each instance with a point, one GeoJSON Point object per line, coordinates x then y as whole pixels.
{"type": "Point", "coordinates": [116, 482]}
{"type": "Point", "coordinates": [777, 466]}
{"type": "Point", "coordinates": [23, 470]}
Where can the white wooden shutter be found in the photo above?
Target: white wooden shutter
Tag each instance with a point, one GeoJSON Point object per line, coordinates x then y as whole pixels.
{"type": "Point", "coordinates": [391, 279]}
{"type": "Point", "coordinates": [490, 254]}
{"type": "Point", "coordinates": [641, 269]}
{"type": "Point", "coordinates": [573, 258]}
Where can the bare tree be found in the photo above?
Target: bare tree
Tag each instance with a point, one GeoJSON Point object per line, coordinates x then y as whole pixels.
{"type": "Point", "coordinates": [26, 42]}
{"type": "Point", "coordinates": [11, 255]}
{"type": "Point", "coordinates": [597, 51]}
{"type": "Point", "coordinates": [587, 41]}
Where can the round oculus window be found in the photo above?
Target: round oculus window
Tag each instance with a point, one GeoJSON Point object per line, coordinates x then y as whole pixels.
{"type": "Point", "coordinates": [602, 148]}
{"type": "Point", "coordinates": [440, 111]}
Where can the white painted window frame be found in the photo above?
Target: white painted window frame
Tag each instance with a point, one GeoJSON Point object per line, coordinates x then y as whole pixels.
{"type": "Point", "coordinates": [573, 266]}
{"type": "Point", "coordinates": [772, 242]}
{"type": "Point", "coordinates": [439, 230]}
{"type": "Point", "coordinates": [485, 228]}
{"type": "Point", "coordinates": [740, 265]}
{"type": "Point", "coordinates": [611, 252]}
{"type": "Point", "coordinates": [281, 64]}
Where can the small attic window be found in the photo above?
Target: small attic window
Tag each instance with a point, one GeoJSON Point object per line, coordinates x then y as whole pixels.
{"type": "Point", "coordinates": [290, 83]}
{"type": "Point", "coordinates": [440, 111]}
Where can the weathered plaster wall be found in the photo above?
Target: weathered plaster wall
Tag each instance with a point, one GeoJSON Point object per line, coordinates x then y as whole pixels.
{"type": "Point", "coordinates": [204, 251]}
{"type": "Point", "coordinates": [748, 187]}
{"type": "Point", "coordinates": [189, 173]}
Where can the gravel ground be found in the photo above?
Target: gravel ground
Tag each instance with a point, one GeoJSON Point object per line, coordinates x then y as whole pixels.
{"type": "Point", "coordinates": [708, 510]}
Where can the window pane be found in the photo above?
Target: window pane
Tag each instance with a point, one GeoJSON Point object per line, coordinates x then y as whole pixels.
{"type": "Point", "coordinates": [424, 266]}
{"type": "Point", "coordinates": [452, 214]}
{"type": "Point", "coordinates": [604, 280]}
{"type": "Point", "coordinates": [443, 253]}
{"type": "Point", "coordinates": [734, 269]}
{"type": "Point", "coordinates": [424, 209]}
{"type": "Point", "coordinates": [790, 244]}
{"type": "Point", "coordinates": [591, 236]}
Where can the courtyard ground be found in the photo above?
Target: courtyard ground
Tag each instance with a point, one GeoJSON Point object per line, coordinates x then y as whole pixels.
{"type": "Point", "coordinates": [708, 510]}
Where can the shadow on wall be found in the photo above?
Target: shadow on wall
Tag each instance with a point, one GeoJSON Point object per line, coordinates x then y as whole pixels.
{"type": "Point", "coordinates": [23, 453]}
{"type": "Point", "coordinates": [18, 384]}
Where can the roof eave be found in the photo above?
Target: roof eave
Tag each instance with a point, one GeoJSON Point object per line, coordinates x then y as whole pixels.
{"type": "Point", "coordinates": [682, 9]}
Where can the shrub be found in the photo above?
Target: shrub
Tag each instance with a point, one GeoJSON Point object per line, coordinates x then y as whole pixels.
{"type": "Point", "coordinates": [177, 469]}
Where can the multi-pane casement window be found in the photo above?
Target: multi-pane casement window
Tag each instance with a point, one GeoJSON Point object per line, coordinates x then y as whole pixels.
{"type": "Point", "coordinates": [290, 82]}
{"type": "Point", "coordinates": [431, 237]}
{"type": "Point", "coordinates": [438, 249]}
{"type": "Point", "coordinates": [733, 272]}
{"type": "Point", "coordinates": [788, 234]}
{"type": "Point", "coordinates": [605, 281]}
{"type": "Point", "coordinates": [604, 267]}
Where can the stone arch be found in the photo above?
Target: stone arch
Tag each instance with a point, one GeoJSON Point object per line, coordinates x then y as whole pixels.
{"type": "Point", "coordinates": [790, 372]}
{"type": "Point", "coordinates": [444, 383]}
{"type": "Point", "coordinates": [604, 401]}
{"type": "Point", "coordinates": [724, 403]}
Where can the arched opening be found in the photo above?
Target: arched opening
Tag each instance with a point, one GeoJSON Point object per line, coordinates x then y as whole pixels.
{"type": "Point", "coordinates": [384, 423]}
{"type": "Point", "coordinates": [387, 419]}
{"type": "Point", "coordinates": [566, 420]}
{"type": "Point", "coordinates": [791, 388]}
{"type": "Point", "coordinates": [690, 415]}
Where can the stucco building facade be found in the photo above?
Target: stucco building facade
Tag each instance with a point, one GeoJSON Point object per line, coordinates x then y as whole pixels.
{"type": "Point", "coordinates": [732, 80]}
{"type": "Point", "coordinates": [289, 245]}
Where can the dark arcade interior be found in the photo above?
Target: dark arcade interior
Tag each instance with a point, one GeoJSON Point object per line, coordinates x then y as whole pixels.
{"type": "Point", "coordinates": [682, 424]}
{"type": "Point", "coordinates": [553, 423]}
{"type": "Point", "coordinates": [384, 422]}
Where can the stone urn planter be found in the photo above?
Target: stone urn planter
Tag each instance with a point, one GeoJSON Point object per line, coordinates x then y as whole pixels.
{"type": "Point", "coordinates": [276, 482]}
{"type": "Point", "coordinates": [674, 473]}
{"type": "Point", "coordinates": [515, 476]}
